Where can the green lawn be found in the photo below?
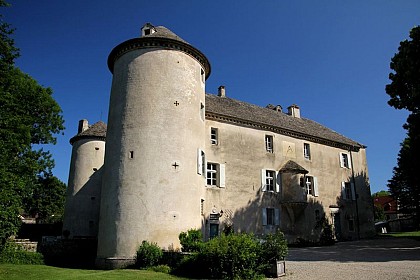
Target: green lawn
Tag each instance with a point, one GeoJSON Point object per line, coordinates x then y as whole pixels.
{"type": "Point", "coordinates": [33, 272]}
{"type": "Point", "coordinates": [408, 234]}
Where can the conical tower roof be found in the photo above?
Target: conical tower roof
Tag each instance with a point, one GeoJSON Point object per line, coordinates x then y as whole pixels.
{"type": "Point", "coordinates": [95, 131]}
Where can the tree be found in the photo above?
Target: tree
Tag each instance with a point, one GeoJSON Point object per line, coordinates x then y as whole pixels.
{"type": "Point", "coordinates": [29, 117]}
{"type": "Point", "coordinates": [404, 92]}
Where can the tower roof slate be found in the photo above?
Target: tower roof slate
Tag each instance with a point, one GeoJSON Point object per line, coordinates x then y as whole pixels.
{"type": "Point", "coordinates": [95, 131]}
{"type": "Point", "coordinates": [163, 38]}
{"type": "Point", "coordinates": [163, 32]}
{"type": "Point", "coordinates": [293, 167]}
{"type": "Point", "coordinates": [230, 110]}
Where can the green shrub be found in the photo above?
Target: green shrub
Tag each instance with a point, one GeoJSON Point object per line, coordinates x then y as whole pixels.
{"type": "Point", "coordinates": [233, 256]}
{"type": "Point", "coordinates": [160, 268]}
{"type": "Point", "coordinates": [12, 253]}
{"type": "Point", "coordinates": [148, 254]}
{"type": "Point", "coordinates": [274, 247]}
{"type": "Point", "coordinates": [191, 241]}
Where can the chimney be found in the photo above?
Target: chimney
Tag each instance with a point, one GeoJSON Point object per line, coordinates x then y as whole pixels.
{"type": "Point", "coordinates": [222, 91]}
{"type": "Point", "coordinates": [83, 125]}
{"type": "Point", "coordinates": [278, 108]}
{"type": "Point", "coordinates": [294, 110]}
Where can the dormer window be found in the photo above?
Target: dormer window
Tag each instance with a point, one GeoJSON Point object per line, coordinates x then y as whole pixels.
{"type": "Point", "coordinates": [147, 29]}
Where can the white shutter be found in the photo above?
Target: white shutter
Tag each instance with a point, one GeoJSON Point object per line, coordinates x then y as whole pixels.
{"type": "Point", "coordinates": [341, 160]}
{"type": "Point", "coordinates": [222, 177]}
{"type": "Point", "coordinates": [263, 185]}
{"type": "Point", "coordinates": [343, 190]}
{"type": "Point", "coordinates": [315, 186]}
{"type": "Point", "coordinates": [353, 191]}
{"type": "Point", "coordinates": [264, 216]}
{"type": "Point", "coordinates": [277, 216]}
{"type": "Point", "coordinates": [278, 181]}
{"type": "Point", "coordinates": [199, 162]}
{"type": "Point", "coordinates": [349, 160]}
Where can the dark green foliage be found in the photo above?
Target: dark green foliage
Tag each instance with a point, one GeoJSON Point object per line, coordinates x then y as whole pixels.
{"type": "Point", "coordinates": [148, 255]}
{"type": "Point", "coordinates": [274, 247]}
{"type": "Point", "coordinates": [12, 253]}
{"type": "Point", "coordinates": [191, 241]}
{"type": "Point", "coordinates": [47, 200]}
{"type": "Point", "coordinates": [234, 256]}
{"type": "Point", "coordinates": [163, 268]}
{"type": "Point", "coordinates": [378, 213]}
{"type": "Point", "coordinates": [29, 117]}
{"type": "Point", "coordinates": [404, 92]}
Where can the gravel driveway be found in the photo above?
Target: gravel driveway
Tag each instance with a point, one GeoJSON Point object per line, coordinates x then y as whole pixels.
{"type": "Point", "coordinates": [382, 258]}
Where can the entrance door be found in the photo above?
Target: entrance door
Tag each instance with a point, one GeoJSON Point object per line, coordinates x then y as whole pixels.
{"type": "Point", "coordinates": [214, 230]}
{"type": "Point", "coordinates": [337, 225]}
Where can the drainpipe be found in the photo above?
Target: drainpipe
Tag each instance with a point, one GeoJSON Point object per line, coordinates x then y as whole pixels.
{"type": "Point", "coordinates": [355, 192]}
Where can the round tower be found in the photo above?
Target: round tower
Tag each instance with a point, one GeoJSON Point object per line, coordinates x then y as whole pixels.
{"type": "Point", "coordinates": [152, 187]}
{"type": "Point", "coordinates": [81, 215]}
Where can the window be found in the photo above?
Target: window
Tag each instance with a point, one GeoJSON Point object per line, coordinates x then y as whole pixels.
{"type": "Point", "coordinates": [271, 217]}
{"type": "Point", "coordinates": [269, 143]}
{"type": "Point", "coordinates": [345, 160]}
{"type": "Point", "coordinates": [347, 191]}
{"type": "Point", "coordinates": [310, 184]}
{"type": "Point", "coordinates": [215, 175]}
{"type": "Point", "coordinates": [211, 174]}
{"type": "Point", "coordinates": [213, 136]}
{"type": "Point", "coordinates": [131, 154]}
{"type": "Point", "coordinates": [269, 181]}
{"type": "Point", "coordinates": [306, 150]}
{"type": "Point", "coordinates": [203, 76]}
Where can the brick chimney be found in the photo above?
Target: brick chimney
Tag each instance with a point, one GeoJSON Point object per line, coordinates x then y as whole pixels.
{"type": "Point", "coordinates": [222, 91]}
{"type": "Point", "coordinates": [294, 111]}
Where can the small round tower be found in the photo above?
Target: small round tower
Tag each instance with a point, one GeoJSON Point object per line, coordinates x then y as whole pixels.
{"type": "Point", "coordinates": [81, 216]}
{"type": "Point", "coordinates": [152, 187]}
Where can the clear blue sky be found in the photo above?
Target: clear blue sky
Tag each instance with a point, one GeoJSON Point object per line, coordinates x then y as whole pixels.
{"type": "Point", "coordinates": [329, 57]}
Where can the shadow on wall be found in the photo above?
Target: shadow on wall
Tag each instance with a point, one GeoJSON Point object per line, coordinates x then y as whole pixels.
{"type": "Point", "coordinates": [301, 221]}
{"type": "Point", "coordinates": [353, 218]}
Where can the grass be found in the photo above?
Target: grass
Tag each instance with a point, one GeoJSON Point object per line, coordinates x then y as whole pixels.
{"type": "Point", "coordinates": [34, 272]}
{"type": "Point", "coordinates": [408, 234]}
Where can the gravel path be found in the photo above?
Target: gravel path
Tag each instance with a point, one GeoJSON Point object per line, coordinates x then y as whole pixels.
{"type": "Point", "coordinates": [382, 258]}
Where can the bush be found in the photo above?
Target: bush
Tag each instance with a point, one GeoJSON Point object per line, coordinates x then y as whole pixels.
{"type": "Point", "coordinates": [12, 253]}
{"type": "Point", "coordinates": [160, 268]}
{"type": "Point", "coordinates": [148, 254]}
{"type": "Point", "coordinates": [191, 241]}
{"type": "Point", "coordinates": [234, 256]}
{"type": "Point", "coordinates": [274, 247]}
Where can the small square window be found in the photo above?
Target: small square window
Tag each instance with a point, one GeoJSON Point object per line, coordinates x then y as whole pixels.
{"type": "Point", "coordinates": [214, 136]}
{"type": "Point", "coordinates": [269, 143]}
{"type": "Point", "coordinates": [306, 150]}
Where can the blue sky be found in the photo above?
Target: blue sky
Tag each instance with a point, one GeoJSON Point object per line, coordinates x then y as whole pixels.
{"type": "Point", "coordinates": [329, 57]}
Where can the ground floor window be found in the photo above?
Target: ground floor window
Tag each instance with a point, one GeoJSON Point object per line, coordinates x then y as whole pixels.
{"type": "Point", "coordinates": [214, 230]}
{"type": "Point", "coordinates": [271, 217]}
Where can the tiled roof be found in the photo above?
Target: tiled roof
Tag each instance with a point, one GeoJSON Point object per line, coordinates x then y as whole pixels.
{"type": "Point", "coordinates": [163, 32]}
{"type": "Point", "coordinates": [230, 110]}
{"type": "Point", "coordinates": [293, 167]}
{"type": "Point", "coordinates": [95, 131]}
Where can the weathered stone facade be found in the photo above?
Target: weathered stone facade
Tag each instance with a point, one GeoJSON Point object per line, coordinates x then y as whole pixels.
{"type": "Point", "coordinates": [177, 158]}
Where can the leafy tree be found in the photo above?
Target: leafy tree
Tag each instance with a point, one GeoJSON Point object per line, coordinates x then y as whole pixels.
{"type": "Point", "coordinates": [404, 92]}
{"type": "Point", "coordinates": [29, 117]}
{"type": "Point", "coordinates": [378, 213]}
{"type": "Point", "coordinates": [381, 193]}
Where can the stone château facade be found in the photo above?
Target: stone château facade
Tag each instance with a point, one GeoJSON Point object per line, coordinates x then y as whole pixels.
{"type": "Point", "coordinates": [174, 158]}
